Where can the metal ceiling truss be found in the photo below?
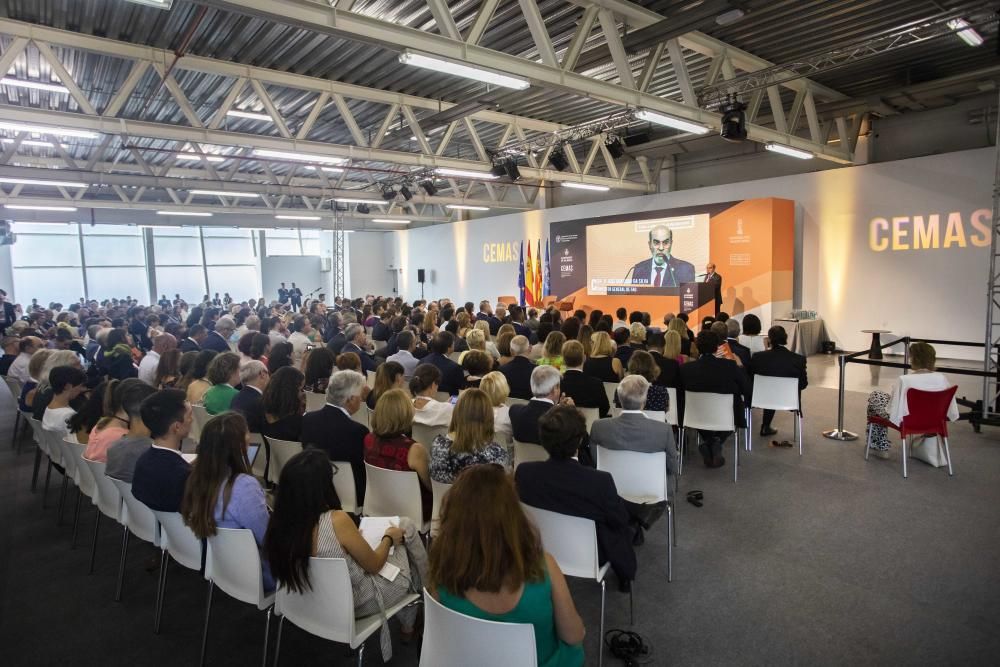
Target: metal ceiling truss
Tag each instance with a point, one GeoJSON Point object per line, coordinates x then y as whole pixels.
{"type": "Point", "coordinates": [548, 72]}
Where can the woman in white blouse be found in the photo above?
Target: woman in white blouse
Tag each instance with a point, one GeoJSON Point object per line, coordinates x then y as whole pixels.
{"type": "Point", "coordinates": [495, 386]}
{"type": "Point", "coordinates": [427, 409]}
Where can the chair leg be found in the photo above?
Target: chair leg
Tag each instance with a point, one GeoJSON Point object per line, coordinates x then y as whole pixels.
{"type": "Point", "coordinates": [361, 655]}
{"type": "Point", "coordinates": [76, 517]}
{"type": "Point", "coordinates": [17, 423]}
{"type": "Point", "coordinates": [93, 548]}
{"type": "Point", "coordinates": [34, 474]}
{"type": "Point", "coordinates": [671, 537]}
{"type": "Point", "coordinates": [904, 457]}
{"type": "Point", "coordinates": [631, 609]}
{"type": "Point", "coordinates": [600, 659]}
{"type": "Point", "coordinates": [868, 441]}
{"type": "Point", "coordinates": [947, 456]}
{"type": "Point", "coordinates": [161, 590]}
{"type": "Point", "coordinates": [798, 434]}
{"type": "Point", "coordinates": [121, 564]}
{"type": "Point", "coordinates": [267, 634]}
{"type": "Point", "coordinates": [749, 430]}
{"type": "Point", "coordinates": [45, 490]}
{"type": "Point", "coordinates": [208, 616]}
{"type": "Point", "coordinates": [277, 642]}
{"type": "Point", "coordinates": [680, 453]}
{"type": "Point", "coordinates": [62, 498]}
{"type": "Point", "coordinates": [736, 457]}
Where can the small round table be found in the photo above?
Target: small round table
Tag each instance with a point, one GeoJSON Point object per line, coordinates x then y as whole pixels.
{"type": "Point", "coordinates": [875, 351]}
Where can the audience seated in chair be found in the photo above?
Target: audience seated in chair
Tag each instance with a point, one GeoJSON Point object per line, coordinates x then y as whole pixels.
{"type": "Point", "coordinates": [122, 454]}
{"type": "Point", "coordinates": [224, 374]}
{"type": "Point", "coordinates": [284, 403]}
{"type": "Point", "coordinates": [427, 409]}
{"type": "Point", "coordinates": [452, 377]}
{"type": "Point", "coordinates": [777, 361]}
{"type": "Point", "coordinates": [494, 385]}
{"type": "Point", "coordinates": [546, 392]}
{"type": "Point", "coordinates": [519, 369]}
{"type": "Point", "coordinates": [161, 472]}
{"type": "Point", "coordinates": [390, 446]}
{"type": "Point", "coordinates": [470, 439]}
{"type": "Point", "coordinates": [249, 401]}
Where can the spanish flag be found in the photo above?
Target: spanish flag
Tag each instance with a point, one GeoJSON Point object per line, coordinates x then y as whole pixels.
{"type": "Point", "coordinates": [529, 280]}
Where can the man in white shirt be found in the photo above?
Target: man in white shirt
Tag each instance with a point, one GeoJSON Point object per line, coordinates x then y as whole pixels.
{"type": "Point", "coordinates": [147, 367]}
{"type": "Point", "coordinates": [407, 343]}
{"type": "Point", "coordinates": [19, 369]}
{"type": "Point", "coordinates": [301, 326]}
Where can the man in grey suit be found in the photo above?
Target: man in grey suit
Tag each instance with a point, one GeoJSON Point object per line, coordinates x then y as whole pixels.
{"type": "Point", "coordinates": [633, 430]}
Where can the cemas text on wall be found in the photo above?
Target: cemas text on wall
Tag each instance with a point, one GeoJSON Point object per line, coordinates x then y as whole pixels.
{"type": "Point", "coordinates": [930, 232]}
{"type": "Point", "coordinates": [496, 253]}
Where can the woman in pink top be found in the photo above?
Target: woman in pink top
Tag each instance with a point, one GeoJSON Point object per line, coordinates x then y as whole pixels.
{"type": "Point", "coordinates": [112, 426]}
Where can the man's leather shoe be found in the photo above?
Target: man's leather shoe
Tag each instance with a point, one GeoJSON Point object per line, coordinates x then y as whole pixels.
{"type": "Point", "coordinates": [706, 453]}
{"type": "Point", "coordinates": [717, 462]}
{"type": "Point", "coordinates": [767, 430]}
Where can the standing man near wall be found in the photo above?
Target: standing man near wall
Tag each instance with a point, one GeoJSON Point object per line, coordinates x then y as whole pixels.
{"type": "Point", "coordinates": [282, 294]}
{"type": "Point", "coordinates": [712, 277]}
{"type": "Point", "coordinates": [295, 294]}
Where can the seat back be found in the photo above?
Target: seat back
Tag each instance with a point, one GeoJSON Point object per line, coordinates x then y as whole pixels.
{"type": "Point", "coordinates": [137, 516]}
{"type": "Point", "coordinates": [927, 411]}
{"type": "Point", "coordinates": [315, 401]}
{"type": "Point", "coordinates": [232, 562]}
{"type": "Point", "coordinates": [708, 411]}
{"type": "Point", "coordinates": [38, 433]}
{"type": "Point", "coordinates": [640, 477]}
{"type": "Point", "coordinates": [571, 540]}
{"type": "Point", "coordinates": [590, 415]}
{"type": "Point", "coordinates": [525, 452]}
{"type": "Point", "coordinates": [343, 484]}
{"type": "Point", "coordinates": [672, 417]}
{"type": "Point", "coordinates": [109, 499]}
{"type": "Point", "coordinates": [15, 387]}
{"type": "Point", "coordinates": [439, 490]}
{"type": "Point", "coordinates": [281, 452]}
{"type": "Point", "coordinates": [200, 418]}
{"type": "Point", "coordinates": [611, 388]}
{"type": "Point", "coordinates": [380, 346]}
{"type": "Point", "coordinates": [370, 379]}
{"type": "Point", "coordinates": [177, 539]}
{"type": "Point", "coordinates": [425, 434]}
{"type": "Point", "coordinates": [326, 609]}
{"type": "Point", "coordinates": [517, 401]}
{"type": "Point", "coordinates": [775, 393]}
{"type": "Point", "coordinates": [655, 415]}
{"type": "Point", "coordinates": [68, 456]}
{"type": "Point", "coordinates": [84, 478]}
{"type": "Point", "coordinates": [442, 396]}
{"type": "Point", "coordinates": [362, 416]}
{"type": "Point", "coordinates": [393, 493]}
{"type": "Point", "coordinates": [452, 639]}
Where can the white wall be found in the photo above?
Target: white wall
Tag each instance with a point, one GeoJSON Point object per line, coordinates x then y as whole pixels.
{"type": "Point", "coordinates": [369, 266]}
{"type": "Point", "coordinates": [303, 271]}
{"type": "Point", "coordinates": [930, 293]}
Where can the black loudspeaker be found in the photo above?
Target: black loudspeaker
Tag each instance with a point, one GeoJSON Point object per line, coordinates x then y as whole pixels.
{"type": "Point", "coordinates": [420, 275]}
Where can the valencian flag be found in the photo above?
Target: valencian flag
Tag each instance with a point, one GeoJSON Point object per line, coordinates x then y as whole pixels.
{"type": "Point", "coordinates": [520, 277]}
{"type": "Point", "coordinates": [538, 275]}
{"type": "Point", "coordinates": [547, 283]}
{"type": "Point", "coordinates": [529, 281]}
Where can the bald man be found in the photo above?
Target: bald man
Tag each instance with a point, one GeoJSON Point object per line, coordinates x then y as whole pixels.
{"type": "Point", "coordinates": [661, 268]}
{"type": "Point", "coordinates": [714, 279]}
{"type": "Point", "coordinates": [147, 367]}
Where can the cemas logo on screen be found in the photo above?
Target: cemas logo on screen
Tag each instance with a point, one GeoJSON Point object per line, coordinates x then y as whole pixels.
{"type": "Point", "coordinates": [499, 253]}
{"type": "Point", "coordinates": [930, 232]}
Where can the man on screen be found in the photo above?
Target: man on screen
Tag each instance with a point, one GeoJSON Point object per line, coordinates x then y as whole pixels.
{"type": "Point", "coordinates": [662, 269]}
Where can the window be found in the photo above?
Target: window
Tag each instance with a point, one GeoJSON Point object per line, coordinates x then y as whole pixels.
{"type": "Point", "coordinates": [295, 242]}
{"type": "Point", "coordinates": [179, 267]}
{"type": "Point", "coordinates": [46, 263]}
{"type": "Point", "coordinates": [231, 262]}
{"type": "Point", "coordinates": [115, 261]}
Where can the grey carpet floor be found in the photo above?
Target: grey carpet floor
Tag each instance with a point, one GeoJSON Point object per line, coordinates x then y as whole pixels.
{"type": "Point", "coordinates": [824, 559]}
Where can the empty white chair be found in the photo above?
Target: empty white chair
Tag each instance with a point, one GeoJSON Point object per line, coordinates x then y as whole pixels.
{"type": "Point", "coordinates": [527, 451]}
{"type": "Point", "coordinates": [641, 477]}
{"type": "Point", "coordinates": [452, 639]}
{"type": "Point", "coordinates": [425, 434]}
{"type": "Point", "coordinates": [611, 388]}
{"type": "Point", "coordinates": [393, 493]}
{"type": "Point", "coordinates": [572, 541]}
{"type": "Point", "coordinates": [327, 609]}
{"type": "Point", "coordinates": [183, 546]}
{"type": "Point", "coordinates": [590, 415]}
{"type": "Point", "coordinates": [281, 452]}
{"type": "Point", "coordinates": [315, 401]}
{"type": "Point", "coordinates": [135, 518]}
{"type": "Point", "coordinates": [775, 393]}
{"type": "Point", "coordinates": [232, 562]}
{"type": "Point", "coordinates": [109, 500]}
{"type": "Point", "coordinates": [343, 484]}
{"type": "Point", "coordinates": [200, 418]}
{"type": "Point", "coordinates": [710, 412]}
{"type": "Point", "coordinates": [439, 491]}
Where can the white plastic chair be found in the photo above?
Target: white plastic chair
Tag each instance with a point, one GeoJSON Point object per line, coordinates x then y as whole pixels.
{"type": "Point", "coordinates": [200, 418]}
{"type": "Point", "coordinates": [641, 477]}
{"type": "Point", "coordinates": [326, 610]}
{"type": "Point", "coordinates": [590, 415]}
{"type": "Point", "coordinates": [655, 415]}
{"type": "Point", "coordinates": [672, 417]}
{"type": "Point", "coordinates": [281, 452]}
{"type": "Point", "coordinates": [710, 412]}
{"type": "Point", "coordinates": [611, 388]}
{"type": "Point", "coordinates": [136, 518]}
{"type": "Point", "coordinates": [258, 467]}
{"type": "Point", "coordinates": [438, 490]}
{"type": "Point", "coordinates": [379, 347]}
{"type": "Point", "coordinates": [525, 452]}
{"type": "Point", "coordinates": [572, 541]}
{"type": "Point", "coordinates": [343, 484]}
{"type": "Point", "coordinates": [393, 493]}
{"type": "Point", "coordinates": [777, 393]}
{"type": "Point", "coordinates": [109, 501]}
{"type": "Point", "coordinates": [315, 401]}
{"type": "Point", "coordinates": [177, 540]}
{"type": "Point", "coordinates": [425, 434]}
{"type": "Point", "coordinates": [232, 562]}
{"type": "Point", "coordinates": [442, 396]}
{"type": "Point", "coordinates": [370, 379]}
{"type": "Point", "coordinates": [15, 388]}
{"type": "Point", "coordinates": [58, 445]}
{"type": "Point", "coordinates": [50, 444]}
{"type": "Point", "coordinates": [517, 401]}
{"type": "Point", "coordinates": [362, 416]}
{"type": "Point", "coordinates": [40, 445]}
{"type": "Point", "coordinates": [452, 639]}
{"type": "Point", "coordinates": [85, 485]}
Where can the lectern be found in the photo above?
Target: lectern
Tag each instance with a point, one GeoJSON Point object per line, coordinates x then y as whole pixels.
{"type": "Point", "coordinates": [698, 301]}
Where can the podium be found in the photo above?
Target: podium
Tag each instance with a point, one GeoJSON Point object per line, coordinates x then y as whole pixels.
{"type": "Point", "coordinates": [697, 300]}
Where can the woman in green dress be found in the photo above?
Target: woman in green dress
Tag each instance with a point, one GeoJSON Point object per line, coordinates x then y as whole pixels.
{"type": "Point", "coordinates": [488, 562]}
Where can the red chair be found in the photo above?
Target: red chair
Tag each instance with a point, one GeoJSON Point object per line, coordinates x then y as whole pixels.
{"type": "Point", "coordinates": [928, 414]}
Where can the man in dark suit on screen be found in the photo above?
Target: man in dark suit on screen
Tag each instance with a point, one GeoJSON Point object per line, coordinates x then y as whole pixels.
{"type": "Point", "coordinates": [661, 268]}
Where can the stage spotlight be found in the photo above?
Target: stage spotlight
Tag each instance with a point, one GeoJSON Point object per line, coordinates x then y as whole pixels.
{"type": "Point", "coordinates": [734, 120]}
{"type": "Point", "coordinates": [405, 191]}
{"type": "Point", "coordinates": [615, 146]}
{"type": "Point", "coordinates": [558, 159]}
{"type": "Point", "coordinates": [428, 187]}
{"type": "Point", "coordinates": [513, 173]}
{"type": "Point", "coordinates": [498, 169]}
{"type": "Point", "coordinates": [388, 194]}
{"type": "Point", "coordinates": [363, 208]}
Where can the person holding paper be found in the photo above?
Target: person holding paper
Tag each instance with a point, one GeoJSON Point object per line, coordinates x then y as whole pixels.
{"type": "Point", "coordinates": [384, 565]}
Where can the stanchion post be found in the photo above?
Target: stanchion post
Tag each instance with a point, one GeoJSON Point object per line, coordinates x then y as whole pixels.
{"type": "Point", "coordinates": [906, 354]}
{"type": "Point", "coordinates": [839, 433]}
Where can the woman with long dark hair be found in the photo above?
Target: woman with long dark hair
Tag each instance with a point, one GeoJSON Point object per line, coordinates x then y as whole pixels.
{"type": "Point", "coordinates": [281, 356]}
{"type": "Point", "coordinates": [221, 492]}
{"type": "Point", "coordinates": [116, 360]}
{"type": "Point", "coordinates": [318, 368]}
{"type": "Point", "coordinates": [194, 382]}
{"type": "Point", "coordinates": [308, 521]}
{"type": "Point", "coordinates": [284, 403]}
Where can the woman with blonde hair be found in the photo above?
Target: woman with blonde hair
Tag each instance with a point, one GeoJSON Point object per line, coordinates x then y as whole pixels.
{"type": "Point", "coordinates": [464, 323]}
{"type": "Point", "coordinates": [601, 362]}
{"type": "Point", "coordinates": [30, 387]}
{"type": "Point", "coordinates": [672, 346]}
{"type": "Point", "coordinates": [552, 351]}
{"type": "Point", "coordinates": [586, 334]}
{"type": "Point", "coordinates": [494, 385]}
{"type": "Point", "coordinates": [475, 340]}
{"type": "Point", "coordinates": [470, 439]}
{"type": "Point", "coordinates": [390, 446]}
{"type": "Point", "coordinates": [503, 346]}
{"type": "Point", "coordinates": [680, 326]}
{"type": "Point", "coordinates": [491, 348]}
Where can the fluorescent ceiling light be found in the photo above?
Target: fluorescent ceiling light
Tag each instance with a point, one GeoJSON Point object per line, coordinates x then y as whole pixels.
{"type": "Point", "coordinates": [585, 186]}
{"type": "Point", "coordinates": [329, 170]}
{"type": "Point", "coordinates": [196, 156]}
{"type": "Point", "coordinates": [789, 151]}
{"type": "Point", "coordinates": [348, 200]}
{"type": "Point", "coordinates": [34, 85]}
{"type": "Point", "coordinates": [249, 115]}
{"type": "Point", "coordinates": [54, 184]}
{"type": "Point", "coordinates": [31, 142]}
{"type": "Point", "coordinates": [391, 221]}
{"type": "Point", "coordinates": [26, 207]}
{"type": "Point", "coordinates": [159, 4]}
{"type": "Point", "coordinates": [671, 121]}
{"type": "Point", "coordinates": [966, 32]}
{"type": "Point", "coordinates": [224, 193]}
{"type": "Point", "coordinates": [299, 157]}
{"type": "Point", "coordinates": [190, 214]}
{"type": "Point", "coordinates": [465, 173]}
{"type": "Point", "coordinates": [298, 217]}
{"type": "Point", "coordinates": [458, 69]}
{"type": "Point", "coordinates": [42, 129]}
{"type": "Point", "coordinates": [463, 207]}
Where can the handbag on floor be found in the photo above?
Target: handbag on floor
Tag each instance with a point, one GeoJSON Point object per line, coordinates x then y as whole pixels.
{"type": "Point", "coordinates": [929, 450]}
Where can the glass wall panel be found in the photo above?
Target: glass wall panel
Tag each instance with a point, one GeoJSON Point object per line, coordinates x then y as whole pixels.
{"type": "Point", "coordinates": [114, 250]}
{"type": "Point", "coordinates": [172, 251]}
{"type": "Point", "coordinates": [188, 281]}
{"type": "Point", "coordinates": [239, 281]}
{"type": "Point", "coordinates": [45, 250]}
{"type": "Point", "coordinates": [108, 282]}
{"type": "Point", "coordinates": [228, 251]}
{"type": "Point", "coordinates": [63, 285]}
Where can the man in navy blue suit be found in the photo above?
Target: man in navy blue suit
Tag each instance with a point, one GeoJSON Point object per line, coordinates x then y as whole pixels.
{"type": "Point", "coordinates": [661, 269]}
{"type": "Point", "coordinates": [161, 472]}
